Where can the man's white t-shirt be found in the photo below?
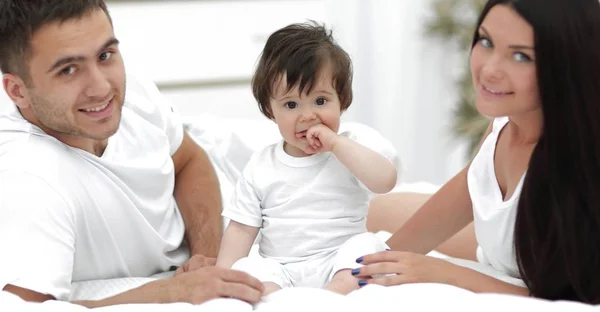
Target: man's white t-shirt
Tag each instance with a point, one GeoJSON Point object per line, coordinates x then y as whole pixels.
{"type": "Point", "coordinates": [305, 206]}
{"type": "Point", "coordinates": [67, 215]}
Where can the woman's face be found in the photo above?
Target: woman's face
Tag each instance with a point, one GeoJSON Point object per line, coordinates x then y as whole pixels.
{"type": "Point", "coordinates": [503, 65]}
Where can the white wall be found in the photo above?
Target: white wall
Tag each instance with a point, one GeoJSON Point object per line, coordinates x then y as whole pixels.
{"type": "Point", "coordinates": [403, 81]}
{"type": "Point", "coordinates": [205, 42]}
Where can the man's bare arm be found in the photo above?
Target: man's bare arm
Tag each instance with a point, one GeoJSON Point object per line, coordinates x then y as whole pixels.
{"type": "Point", "coordinates": [198, 196]}
{"type": "Point", "coordinates": [194, 287]}
{"type": "Point", "coordinates": [138, 295]}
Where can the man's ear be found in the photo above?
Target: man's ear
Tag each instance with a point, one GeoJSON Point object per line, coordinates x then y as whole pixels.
{"type": "Point", "coordinates": [16, 90]}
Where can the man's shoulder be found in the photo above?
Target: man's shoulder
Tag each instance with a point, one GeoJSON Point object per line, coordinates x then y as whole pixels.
{"type": "Point", "coordinates": [39, 155]}
{"type": "Point", "coordinates": [144, 99]}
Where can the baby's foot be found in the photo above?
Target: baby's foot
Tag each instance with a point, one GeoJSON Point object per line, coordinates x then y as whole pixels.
{"type": "Point", "coordinates": [270, 288]}
{"type": "Point", "coordinates": [343, 283]}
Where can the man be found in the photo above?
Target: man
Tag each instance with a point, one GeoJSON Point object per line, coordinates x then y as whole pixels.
{"type": "Point", "coordinates": [94, 185]}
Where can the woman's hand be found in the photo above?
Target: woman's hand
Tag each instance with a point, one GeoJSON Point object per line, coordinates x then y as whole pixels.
{"type": "Point", "coordinates": [389, 268]}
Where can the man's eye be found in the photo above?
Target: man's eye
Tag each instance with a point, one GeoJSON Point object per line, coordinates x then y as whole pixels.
{"type": "Point", "coordinates": [291, 105]}
{"type": "Point", "coordinates": [105, 56]}
{"type": "Point", "coordinates": [67, 71]}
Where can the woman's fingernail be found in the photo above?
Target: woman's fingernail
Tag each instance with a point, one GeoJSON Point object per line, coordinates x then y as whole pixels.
{"type": "Point", "coordinates": [359, 260]}
{"type": "Point", "coordinates": [362, 283]}
{"type": "Point", "coordinates": [389, 249]}
{"type": "Point", "coordinates": [355, 271]}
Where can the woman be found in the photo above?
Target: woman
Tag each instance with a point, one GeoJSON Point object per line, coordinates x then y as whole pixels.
{"type": "Point", "coordinates": [533, 189]}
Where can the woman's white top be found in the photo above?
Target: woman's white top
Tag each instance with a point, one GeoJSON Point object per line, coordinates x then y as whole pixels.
{"type": "Point", "coordinates": [494, 217]}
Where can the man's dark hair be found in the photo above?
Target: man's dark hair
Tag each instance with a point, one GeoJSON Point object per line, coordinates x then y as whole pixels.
{"type": "Point", "coordinates": [301, 52]}
{"type": "Point", "coordinates": [20, 19]}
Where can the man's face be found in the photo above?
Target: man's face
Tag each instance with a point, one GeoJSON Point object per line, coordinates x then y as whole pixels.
{"type": "Point", "coordinates": [77, 84]}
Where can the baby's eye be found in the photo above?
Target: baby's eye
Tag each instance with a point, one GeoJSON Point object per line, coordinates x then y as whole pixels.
{"type": "Point", "coordinates": [321, 101]}
{"type": "Point", "coordinates": [291, 105]}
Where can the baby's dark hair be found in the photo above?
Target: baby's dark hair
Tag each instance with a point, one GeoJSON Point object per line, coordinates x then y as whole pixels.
{"type": "Point", "coordinates": [301, 52]}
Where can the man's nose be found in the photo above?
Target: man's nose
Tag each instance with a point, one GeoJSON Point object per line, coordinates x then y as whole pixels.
{"type": "Point", "coordinates": [98, 86]}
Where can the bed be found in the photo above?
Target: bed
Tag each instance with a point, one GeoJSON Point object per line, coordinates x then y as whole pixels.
{"type": "Point", "coordinates": [230, 142]}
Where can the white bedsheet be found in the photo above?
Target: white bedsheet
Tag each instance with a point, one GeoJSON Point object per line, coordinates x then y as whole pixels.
{"type": "Point", "coordinates": [415, 297]}
{"type": "Point", "coordinates": [418, 297]}
{"type": "Point", "coordinates": [411, 297]}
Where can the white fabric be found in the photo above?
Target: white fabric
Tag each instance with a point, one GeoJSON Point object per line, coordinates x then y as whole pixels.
{"type": "Point", "coordinates": [305, 206]}
{"type": "Point", "coordinates": [494, 218]}
{"type": "Point", "coordinates": [316, 272]}
{"type": "Point", "coordinates": [409, 297]}
{"type": "Point", "coordinates": [70, 216]}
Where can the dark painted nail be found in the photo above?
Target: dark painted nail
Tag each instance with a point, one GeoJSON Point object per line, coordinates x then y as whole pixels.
{"type": "Point", "coordinates": [388, 249]}
{"type": "Point", "coordinates": [355, 271]}
{"type": "Point", "coordinates": [359, 260]}
{"type": "Point", "coordinates": [362, 283]}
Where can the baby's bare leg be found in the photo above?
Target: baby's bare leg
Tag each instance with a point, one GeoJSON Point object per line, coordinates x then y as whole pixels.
{"type": "Point", "coordinates": [270, 287]}
{"type": "Point", "coordinates": [343, 282]}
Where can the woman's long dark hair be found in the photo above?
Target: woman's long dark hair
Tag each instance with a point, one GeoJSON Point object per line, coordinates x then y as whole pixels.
{"type": "Point", "coordinates": [557, 229]}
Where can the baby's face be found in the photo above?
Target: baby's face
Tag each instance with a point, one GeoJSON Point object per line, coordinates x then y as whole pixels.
{"type": "Point", "coordinates": [295, 113]}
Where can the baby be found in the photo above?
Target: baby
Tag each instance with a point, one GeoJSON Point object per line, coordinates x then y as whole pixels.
{"type": "Point", "coordinates": [309, 193]}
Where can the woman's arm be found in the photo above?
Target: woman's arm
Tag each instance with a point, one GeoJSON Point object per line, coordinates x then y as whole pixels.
{"type": "Point", "coordinates": [396, 268]}
{"type": "Point", "coordinates": [480, 283]}
{"type": "Point", "coordinates": [443, 215]}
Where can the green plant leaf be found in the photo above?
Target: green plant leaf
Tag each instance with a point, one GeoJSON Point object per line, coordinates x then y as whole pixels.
{"type": "Point", "coordinates": [454, 22]}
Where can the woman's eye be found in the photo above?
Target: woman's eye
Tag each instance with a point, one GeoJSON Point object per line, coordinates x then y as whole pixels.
{"type": "Point", "coordinates": [486, 42]}
{"type": "Point", "coordinates": [521, 57]}
{"type": "Point", "coordinates": [291, 105]}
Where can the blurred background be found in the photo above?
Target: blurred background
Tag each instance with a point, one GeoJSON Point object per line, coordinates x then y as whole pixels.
{"type": "Point", "coordinates": [410, 59]}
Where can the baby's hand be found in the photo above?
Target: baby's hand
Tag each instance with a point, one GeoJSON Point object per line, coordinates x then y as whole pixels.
{"type": "Point", "coordinates": [320, 139]}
